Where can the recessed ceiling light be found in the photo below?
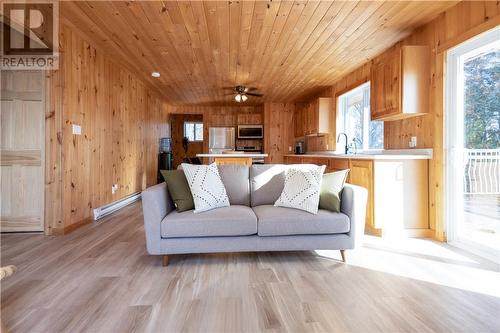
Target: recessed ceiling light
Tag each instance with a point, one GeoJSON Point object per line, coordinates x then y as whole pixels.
{"type": "Point", "coordinates": [155, 74]}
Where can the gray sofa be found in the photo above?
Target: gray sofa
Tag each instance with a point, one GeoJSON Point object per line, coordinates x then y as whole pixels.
{"type": "Point", "coordinates": [251, 223]}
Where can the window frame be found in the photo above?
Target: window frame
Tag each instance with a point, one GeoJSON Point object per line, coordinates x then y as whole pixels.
{"type": "Point", "coordinates": [195, 123]}
{"type": "Point", "coordinates": [340, 120]}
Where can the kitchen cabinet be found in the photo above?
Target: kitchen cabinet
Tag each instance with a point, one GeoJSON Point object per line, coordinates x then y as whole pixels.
{"type": "Point", "coordinates": [313, 118]}
{"type": "Point", "coordinates": [337, 164]}
{"type": "Point", "coordinates": [398, 191]}
{"type": "Point", "coordinates": [399, 84]}
{"type": "Point", "coordinates": [249, 119]}
{"type": "Point", "coordinates": [293, 159]}
{"type": "Point", "coordinates": [361, 174]}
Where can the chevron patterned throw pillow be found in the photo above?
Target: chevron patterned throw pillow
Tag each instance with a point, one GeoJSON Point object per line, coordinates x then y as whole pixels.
{"type": "Point", "coordinates": [302, 188]}
{"type": "Point", "coordinates": [206, 187]}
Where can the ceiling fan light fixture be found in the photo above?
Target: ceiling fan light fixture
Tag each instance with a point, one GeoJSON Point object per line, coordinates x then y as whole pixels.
{"type": "Point", "coordinates": [244, 98]}
{"type": "Point", "coordinates": [238, 98]}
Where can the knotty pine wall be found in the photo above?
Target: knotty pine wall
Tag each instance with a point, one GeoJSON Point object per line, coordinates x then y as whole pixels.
{"type": "Point", "coordinates": [122, 121]}
{"type": "Point", "coordinates": [459, 23]}
{"type": "Point", "coordinates": [218, 116]}
{"type": "Point", "coordinates": [278, 130]}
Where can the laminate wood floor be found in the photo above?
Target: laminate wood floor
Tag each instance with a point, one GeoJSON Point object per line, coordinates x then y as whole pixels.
{"type": "Point", "coordinates": [100, 279]}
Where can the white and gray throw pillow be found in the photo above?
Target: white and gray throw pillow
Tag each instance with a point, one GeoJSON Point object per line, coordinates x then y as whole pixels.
{"type": "Point", "coordinates": [206, 187]}
{"type": "Point", "coordinates": [302, 188]}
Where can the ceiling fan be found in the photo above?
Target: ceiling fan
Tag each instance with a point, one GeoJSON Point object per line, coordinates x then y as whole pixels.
{"type": "Point", "coordinates": [241, 93]}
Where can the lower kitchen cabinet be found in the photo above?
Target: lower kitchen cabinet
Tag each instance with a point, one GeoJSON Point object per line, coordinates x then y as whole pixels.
{"type": "Point", "coordinates": [398, 191]}
{"type": "Point", "coordinates": [361, 174]}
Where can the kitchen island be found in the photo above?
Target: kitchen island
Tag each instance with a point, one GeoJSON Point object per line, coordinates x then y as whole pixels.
{"type": "Point", "coordinates": [233, 158]}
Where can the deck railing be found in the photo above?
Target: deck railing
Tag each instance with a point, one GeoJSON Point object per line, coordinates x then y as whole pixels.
{"type": "Point", "coordinates": [482, 171]}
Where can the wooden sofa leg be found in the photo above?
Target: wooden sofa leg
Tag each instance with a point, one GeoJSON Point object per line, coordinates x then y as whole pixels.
{"type": "Point", "coordinates": [165, 261]}
{"type": "Point", "coordinates": [342, 253]}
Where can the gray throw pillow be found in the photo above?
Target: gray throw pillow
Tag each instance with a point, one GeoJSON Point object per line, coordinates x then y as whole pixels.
{"type": "Point", "coordinates": [331, 190]}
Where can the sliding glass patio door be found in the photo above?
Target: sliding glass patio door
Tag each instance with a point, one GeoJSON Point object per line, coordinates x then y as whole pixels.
{"type": "Point", "coordinates": [472, 139]}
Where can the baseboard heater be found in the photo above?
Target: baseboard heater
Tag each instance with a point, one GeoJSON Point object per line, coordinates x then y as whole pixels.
{"type": "Point", "coordinates": [114, 206]}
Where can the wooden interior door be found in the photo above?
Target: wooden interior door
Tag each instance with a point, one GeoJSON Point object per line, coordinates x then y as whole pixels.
{"type": "Point", "coordinates": [22, 151]}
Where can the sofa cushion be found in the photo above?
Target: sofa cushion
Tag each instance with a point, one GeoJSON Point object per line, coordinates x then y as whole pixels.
{"type": "Point", "coordinates": [268, 180]}
{"type": "Point", "coordinates": [281, 221]}
{"type": "Point", "coordinates": [236, 180]}
{"type": "Point", "coordinates": [225, 221]}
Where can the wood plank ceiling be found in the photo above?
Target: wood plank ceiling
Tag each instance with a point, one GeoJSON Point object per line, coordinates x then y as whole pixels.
{"type": "Point", "coordinates": [288, 50]}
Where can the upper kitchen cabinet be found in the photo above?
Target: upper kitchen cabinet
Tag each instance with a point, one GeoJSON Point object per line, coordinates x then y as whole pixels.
{"type": "Point", "coordinates": [400, 80]}
{"type": "Point", "coordinates": [313, 118]}
{"type": "Point", "coordinates": [249, 119]}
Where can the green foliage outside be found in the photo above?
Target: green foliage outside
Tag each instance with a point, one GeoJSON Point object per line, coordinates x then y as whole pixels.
{"type": "Point", "coordinates": [482, 101]}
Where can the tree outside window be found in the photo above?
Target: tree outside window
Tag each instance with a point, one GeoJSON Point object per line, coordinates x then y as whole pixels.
{"type": "Point", "coordinates": [193, 131]}
{"type": "Point", "coordinates": [482, 101]}
{"type": "Point", "coordinates": [353, 119]}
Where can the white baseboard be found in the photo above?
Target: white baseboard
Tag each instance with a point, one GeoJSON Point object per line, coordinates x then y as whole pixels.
{"type": "Point", "coordinates": [100, 212]}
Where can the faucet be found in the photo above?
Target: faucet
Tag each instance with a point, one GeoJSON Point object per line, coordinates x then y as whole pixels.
{"type": "Point", "coordinates": [338, 139]}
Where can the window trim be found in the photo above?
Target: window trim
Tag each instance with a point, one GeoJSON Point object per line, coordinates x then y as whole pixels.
{"type": "Point", "coordinates": [194, 128]}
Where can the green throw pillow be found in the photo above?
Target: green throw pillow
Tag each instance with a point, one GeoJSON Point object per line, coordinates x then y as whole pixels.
{"type": "Point", "coordinates": [331, 190]}
{"type": "Point", "coordinates": [179, 190]}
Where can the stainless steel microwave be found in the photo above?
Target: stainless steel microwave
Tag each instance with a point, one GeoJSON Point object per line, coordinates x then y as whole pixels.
{"type": "Point", "coordinates": [250, 131]}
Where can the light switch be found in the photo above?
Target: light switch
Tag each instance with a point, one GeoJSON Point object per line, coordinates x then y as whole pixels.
{"type": "Point", "coordinates": [77, 129]}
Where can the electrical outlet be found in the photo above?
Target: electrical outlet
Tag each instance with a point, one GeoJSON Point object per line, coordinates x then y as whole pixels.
{"type": "Point", "coordinates": [413, 142]}
{"type": "Point", "coordinates": [114, 188]}
{"type": "Point", "coordinates": [76, 129]}
{"type": "Point", "coordinates": [289, 148]}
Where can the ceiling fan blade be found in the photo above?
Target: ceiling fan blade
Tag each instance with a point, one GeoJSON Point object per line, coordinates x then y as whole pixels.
{"type": "Point", "coordinates": [251, 88]}
{"type": "Point", "coordinates": [228, 88]}
{"type": "Point", "coordinates": [254, 94]}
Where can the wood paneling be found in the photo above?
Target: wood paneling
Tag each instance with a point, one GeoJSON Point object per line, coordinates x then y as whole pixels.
{"type": "Point", "coordinates": [177, 125]}
{"type": "Point", "coordinates": [121, 121]}
{"type": "Point", "coordinates": [278, 131]}
{"type": "Point", "coordinates": [458, 23]}
{"type": "Point", "coordinates": [201, 47]}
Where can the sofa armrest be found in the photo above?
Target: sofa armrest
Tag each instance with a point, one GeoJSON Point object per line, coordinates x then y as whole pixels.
{"type": "Point", "coordinates": [156, 204]}
{"type": "Point", "coordinates": [353, 204]}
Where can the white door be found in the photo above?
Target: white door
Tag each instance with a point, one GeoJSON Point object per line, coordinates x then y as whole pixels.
{"type": "Point", "coordinates": [22, 151]}
{"type": "Point", "coordinates": [473, 144]}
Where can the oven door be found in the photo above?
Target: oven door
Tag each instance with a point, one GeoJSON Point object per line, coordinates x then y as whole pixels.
{"type": "Point", "coordinates": [250, 132]}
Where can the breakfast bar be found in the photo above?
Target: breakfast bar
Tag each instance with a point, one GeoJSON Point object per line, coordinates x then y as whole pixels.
{"type": "Point", "coordinates": [233, 158]}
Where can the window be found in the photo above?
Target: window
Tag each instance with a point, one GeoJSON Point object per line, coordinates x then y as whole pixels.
{"type": "Point", "coordinates": [193, 131]}
{"type": "Point", "coordinates": [353, 119]}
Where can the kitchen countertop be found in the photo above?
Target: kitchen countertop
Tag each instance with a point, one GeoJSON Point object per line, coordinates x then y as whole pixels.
{"type": "Point", "coordinates": [396, 154]}
{"type": "Point", "coordinates": [233, 155]}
